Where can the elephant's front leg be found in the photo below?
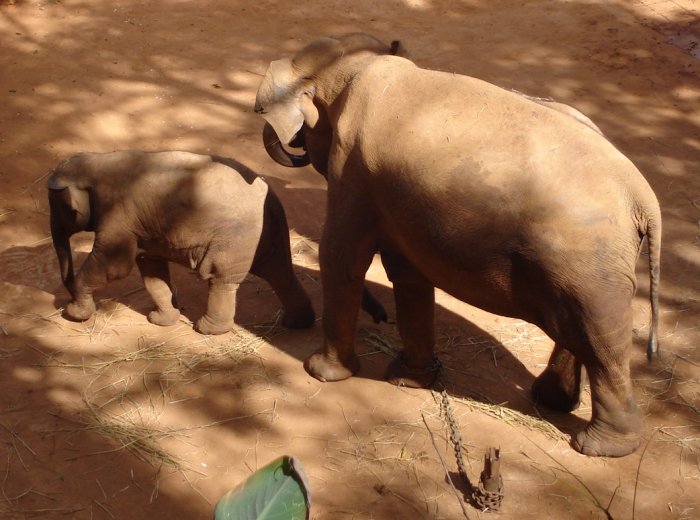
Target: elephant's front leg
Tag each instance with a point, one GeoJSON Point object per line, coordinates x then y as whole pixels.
{"type": "Point", "coordinates": [106, 262]}
{"type": "Point", "coordinates": [88, 279]}
{"type": "Point", "coordinates": [346, 250]}
{"type": "Point", "coordinates": [156, 278]}
{"type": "Point", "coordinates": [221, 306]}
{"type": "Point", "coordinates": [415, 317]}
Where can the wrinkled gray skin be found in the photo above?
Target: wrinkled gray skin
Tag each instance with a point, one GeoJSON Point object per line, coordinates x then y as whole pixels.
{"type": "Point", "coordinates": [518, 206]}
{"type": "Point", "coordinates": [565, 109]}
{"type": "Point", "coordinates": [162, 207]}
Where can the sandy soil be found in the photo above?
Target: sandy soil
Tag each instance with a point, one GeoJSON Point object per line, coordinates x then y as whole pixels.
{"type": "Point", "coordinates": [116, 418]}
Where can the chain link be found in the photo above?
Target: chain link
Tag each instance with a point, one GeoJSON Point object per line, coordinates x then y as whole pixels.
{"type": "Point", "coordinates": [455, 437]}
{"type": "Point", "coordinates": [488, 495]}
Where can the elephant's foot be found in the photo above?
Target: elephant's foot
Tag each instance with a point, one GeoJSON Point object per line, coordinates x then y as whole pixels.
{"type": "Point", "coordinates": [205, 325]}
{"type": "Point", "coordinates": [164, 317]}
{"type": "Point", "coordinates": [602, 440]}
{"type": "Point", "coordinates": [329, 368]}
{"type": "Point", "coordinates": [299, 319]}
{"type": "Point", "coordinates": [557, 392]}
{"type": "Point", "coordinates": [400, 374]}
{"type": "Point", "coordinates": [80, 311]}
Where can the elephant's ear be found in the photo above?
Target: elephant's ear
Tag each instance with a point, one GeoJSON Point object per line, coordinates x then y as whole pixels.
{"type": "Point", "coordinates": [72, 200]}
{"type": "Point", "coordinates": [285, 100]}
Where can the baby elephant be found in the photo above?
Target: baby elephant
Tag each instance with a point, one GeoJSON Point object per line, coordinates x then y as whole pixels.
{"type": "Point", "coordinates": [207, 213]}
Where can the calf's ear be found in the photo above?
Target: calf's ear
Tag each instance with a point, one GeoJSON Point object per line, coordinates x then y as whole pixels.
{"type": "Point", "coordinates": [70, 206]}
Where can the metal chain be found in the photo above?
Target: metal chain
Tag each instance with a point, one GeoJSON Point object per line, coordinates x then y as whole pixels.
{"type": "Point", "coordinates": [455, 437]}
{"type": "Point", "coordinates": [489, 493]}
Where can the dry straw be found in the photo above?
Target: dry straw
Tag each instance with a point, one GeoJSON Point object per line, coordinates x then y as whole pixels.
{"type": "Point", "coordinates": [136, 428]}
{"type": "Point", "coordinates": [181, 359]}
{"type": "Point", "coordinates": [388, 343]}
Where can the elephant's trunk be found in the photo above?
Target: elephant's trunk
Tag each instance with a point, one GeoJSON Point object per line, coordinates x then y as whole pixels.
{"type": "Point", "coordinates": [274, 148]}
{"type": "Point", "coordinates": [61, 242]}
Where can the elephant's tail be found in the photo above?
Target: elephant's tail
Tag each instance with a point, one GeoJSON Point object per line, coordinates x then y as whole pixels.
{"type": "Point", "coordinates": [653, 234]}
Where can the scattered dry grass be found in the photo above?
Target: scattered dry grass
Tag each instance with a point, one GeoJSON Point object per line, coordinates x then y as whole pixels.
{"type": "Point", "coordinates": [385, 341]}
{"type": "Point", "coordinates": [513, 418]}
{"type": "Point", "coordinates": [137, 430]}
{"type": "Point", "coordinates": [675, 384]}
{"type": "Point", "coordinates": [304, 251]}
{"type": "Point", "coordinates": [688, 441]}
{"type": "Point", "coordinates": [380, 455]}
{"type": "Point", "coordinates": [32, 316]}
{"type": "Point", "coordinates": [129, 431]}
{"type": "Point", "coordinates": [388, 343]}
{"type": "Point", "coordinates": [203, 353]}
{"type": "Point", "coordinates": [136, 425]}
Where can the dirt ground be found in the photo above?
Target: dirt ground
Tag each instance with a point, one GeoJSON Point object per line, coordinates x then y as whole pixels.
{"type": "Point", "coordinates": [117, 418]}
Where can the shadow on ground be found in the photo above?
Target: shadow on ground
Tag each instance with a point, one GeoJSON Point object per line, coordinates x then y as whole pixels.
{"type": "Point", "coordinates": [174, 75]}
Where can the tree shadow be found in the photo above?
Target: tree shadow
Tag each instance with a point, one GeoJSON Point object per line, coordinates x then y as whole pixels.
{"type": "Point", "coordinates": [49, 442]}
{"type": "Point", "coordinates": [189, 83]}
{"type": "Point", "coordinates": [477, 365]}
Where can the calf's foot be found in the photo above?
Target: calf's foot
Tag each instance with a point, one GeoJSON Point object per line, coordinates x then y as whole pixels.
{"type": "Point", "coordinates": [163, 317]}
{"type": "Point", "coordinates": [79, 311]}
{"type": "Point", "coordinates": [206, 325]}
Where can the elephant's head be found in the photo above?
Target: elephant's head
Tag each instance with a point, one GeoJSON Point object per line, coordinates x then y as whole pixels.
{"type": "Point", "coordinates": [296, 96]}
{"type": "Point", "coordinates": [69, 202]}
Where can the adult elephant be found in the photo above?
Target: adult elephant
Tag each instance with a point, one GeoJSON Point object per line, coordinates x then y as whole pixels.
{"type": "Point", "coordinates": [514, 205]}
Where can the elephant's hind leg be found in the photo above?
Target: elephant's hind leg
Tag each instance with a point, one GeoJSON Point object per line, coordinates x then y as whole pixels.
{"type": "Point", "coordinates": [415, 317]}
{"type": "Point", "coordinates": [297, 311]}
{"type": "Point", "coordinates": [156, 278]}
{"type": "Point", "coordinates": [559, 386]}
{"type": "Point", "coordinates": [615, 427]}
{"type": "Point", "coordinates": [273, 263]}
{"type": "Point", "coordinates": [221, 306]}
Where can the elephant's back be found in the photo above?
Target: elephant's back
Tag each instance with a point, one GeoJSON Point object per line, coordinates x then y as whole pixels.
{"type": "Point", "coordinates": [195, 182]}
{"type": "Point", "coordinates": [464, 143]}
{"type": "Point", "coordinates": [219, 203]}
{"type": "Point", "coordinates": [469, 178]}
{"type": "Point", "coordinates": [398, 109]}
{"type": "Point", "coordinates": [220, 184]}
{"type": "Point", "coordinates": [186, 198]}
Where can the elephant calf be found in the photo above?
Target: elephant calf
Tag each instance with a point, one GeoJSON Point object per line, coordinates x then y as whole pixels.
{"type": "Point", "coordinates": [195, 210]}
